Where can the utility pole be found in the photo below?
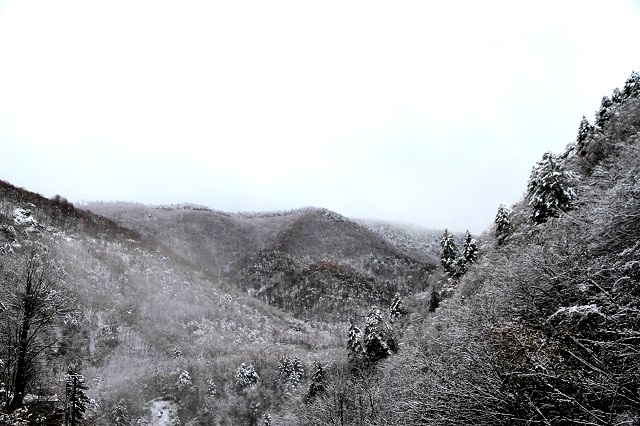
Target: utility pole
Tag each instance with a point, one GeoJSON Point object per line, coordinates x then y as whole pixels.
{"type": "Point", "coordinates": [72, 381]}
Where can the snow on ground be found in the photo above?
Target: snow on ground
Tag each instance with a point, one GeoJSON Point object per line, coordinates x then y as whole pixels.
{"type": "Point", "coordinates": [572, 313]}
{"type": "Point", "coordinates": [582, 310]}
{"type": "Point", "coordinates": [163, 412]}
{"type": "Point", "coordinates": [24, 217]}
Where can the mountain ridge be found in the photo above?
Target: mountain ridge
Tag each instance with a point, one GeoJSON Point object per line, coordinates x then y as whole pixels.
{"type": "Point", "coordinates": [243, 248]}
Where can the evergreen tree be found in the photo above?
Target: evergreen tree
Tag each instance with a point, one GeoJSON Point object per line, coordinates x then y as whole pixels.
{"type": "Point", "coordinates": [585, 130]}
{"type": "Point", "coordinates": [246, 377]}
{"type": "Point", "coordinates": [291, 371]}
{"type": "Point", "coordinates": [212, 389]}
{"type": "Point", "coordinates": [354, 346]}
{"type": "Point", "coordinates": [76, 398]}
{"type": "Point", "coordinates": [603, 114]}
{"type": "Point", "coordinates": [184, 381]}
{"type": "Point", "coordinates": [396, 310]}
{"type": "Point", "coordinates": [631, 87]}
{"type": "Point", "coordinates": [316, 385]}
{"type": "Point", "coordinates": [504, 227]}
{"type": "Point", "coordinates": [266, 419]}
{"type": "Point", "coordinates": [378, 339]}
{"type": "Point", "coordinates": [549, 189]}
{"type": "Point", "coordinates": [616, 96]}
{"type": "Point", "coordinates": [469, 249]}
{"type": "Point", "coordinates": [449, 254]}
{"type": "Point", "coordinates": [119, 414]}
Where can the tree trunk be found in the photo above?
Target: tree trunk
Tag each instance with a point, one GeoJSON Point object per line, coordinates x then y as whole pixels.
{"type": "Point", "coordinates": [20, 377]}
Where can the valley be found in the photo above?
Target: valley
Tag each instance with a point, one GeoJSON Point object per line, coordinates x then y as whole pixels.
{"type": "Point", "coordinates": [130, 314]}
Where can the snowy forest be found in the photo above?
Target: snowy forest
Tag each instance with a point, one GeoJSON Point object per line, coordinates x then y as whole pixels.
{"type": "Point", "coordinates": [127, 314]}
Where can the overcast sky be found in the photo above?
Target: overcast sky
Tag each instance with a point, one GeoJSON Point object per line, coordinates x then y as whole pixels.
{"type": "Point", "coordinates": [425, 112]}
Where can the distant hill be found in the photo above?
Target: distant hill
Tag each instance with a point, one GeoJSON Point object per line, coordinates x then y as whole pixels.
{"type": "Point", "coordinates": [421, 242]}
{"type": "Point", "coordinates": [311, 262]}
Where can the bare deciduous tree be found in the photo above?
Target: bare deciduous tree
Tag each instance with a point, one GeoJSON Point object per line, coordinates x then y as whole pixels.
{"type": "Point", "coordinates": [31, 305]}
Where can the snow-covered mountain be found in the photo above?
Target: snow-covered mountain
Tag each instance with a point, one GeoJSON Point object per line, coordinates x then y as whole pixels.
{"type": "Point", "coordinates": [187, 315]}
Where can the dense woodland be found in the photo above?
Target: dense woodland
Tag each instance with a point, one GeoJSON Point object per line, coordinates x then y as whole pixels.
{"type": "Point", "coordinates": [125, 314]}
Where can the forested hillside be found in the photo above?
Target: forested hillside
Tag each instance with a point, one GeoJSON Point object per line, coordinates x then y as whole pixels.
{"type": "Point", "coordinates": [170, 314]}
{"type": "Point", "coordinates": [133, 318]}
{"type": "Point", "coordinates": [130, 314]}
{"type": "Point", "coordinates": [545, 327]}
{"type": "Point", "coordinates": [313, 263]}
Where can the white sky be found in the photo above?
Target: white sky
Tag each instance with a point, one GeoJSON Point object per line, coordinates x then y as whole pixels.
{"type": "Point", "coordinates": [425, 112]}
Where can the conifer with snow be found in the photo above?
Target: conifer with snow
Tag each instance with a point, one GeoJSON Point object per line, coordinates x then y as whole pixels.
{"type": "Point", "coordinates": [449, 253]}
{"type": "Point", "coordinates": [212, 389]}
{"type": "Point", "coordinates": [631, 87]}
{"type": "Point", "coordinates": [291, 371]}
{"type": "Point", "coordinates": [354, 346]}
{"type": "Point", "coordinates": [76, 398]}
{"type": "Point", "coordinates": [616, 96]}
{"type": "Point", "coordinates": [604, 113]}
{"type": "Point", "coordinates": [378, 339]}
{"type": "Point", "coordinates": [550, 191]}
{"type": "Point", "coordinates": [184, 381]}
{"type": "Point", "coordinates": [246, 377]}
{"type": "Point", "coordinates": [396, 310]}
{"type": "Point", "coordinates": [585, 130]}
{"type": "Point", "coordinates": [119, 414]}
{"type": "Point", "coordinates": [316, 385]}
{"type": "Point", "coordinates": [266, 419]}
{"type": "Point", "coordinates": [504, 227]}
{"type": "Point", "coordinates": [469, 249]}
